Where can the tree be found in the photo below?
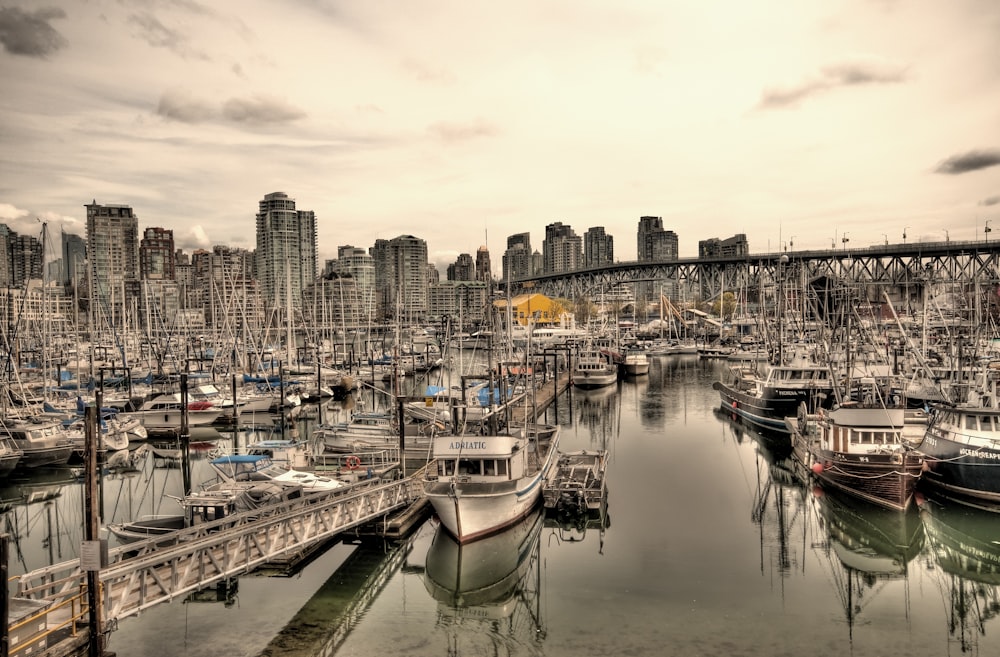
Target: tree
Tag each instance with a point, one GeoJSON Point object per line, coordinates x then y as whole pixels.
{"type": "Point", "coordinates": [725, 306]}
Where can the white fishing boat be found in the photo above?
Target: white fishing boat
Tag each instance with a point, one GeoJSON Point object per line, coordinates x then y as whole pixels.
{"type": "Point", "coordinates": [484, 483]}
{"type": "Point", "coordinates": [636, 363]}
{"type": "Point", "coordinates": [592, 370]}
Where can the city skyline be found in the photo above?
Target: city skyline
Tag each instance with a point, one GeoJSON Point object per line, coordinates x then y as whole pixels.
{"type": "Point", "coordinates": [807, 127]}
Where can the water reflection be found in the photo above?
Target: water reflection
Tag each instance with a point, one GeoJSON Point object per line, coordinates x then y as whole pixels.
{"type": "Point", "coordinates": [865, 548]}
{"type": "Point", "coordinates": [489, 590]}
{"type": "Point", "coordinates": [965, 545]}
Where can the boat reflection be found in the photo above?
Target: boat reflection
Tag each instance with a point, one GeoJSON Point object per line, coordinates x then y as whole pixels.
{"type": "Point", "coordinates": [494, 582]}
{"type": "Point", "coordinates": [866, 547]}
{"type": "Point", "coordinates": [778, 493]}
{"type": "Point", "coordinates": [965, 544]}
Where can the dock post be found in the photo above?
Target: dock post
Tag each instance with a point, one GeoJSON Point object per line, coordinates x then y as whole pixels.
{"type": "Point", "coordinates": [92, 535]}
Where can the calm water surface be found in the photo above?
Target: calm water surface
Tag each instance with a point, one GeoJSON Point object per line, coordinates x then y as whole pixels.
{"type": "Point", "coordinates": [712, 545]}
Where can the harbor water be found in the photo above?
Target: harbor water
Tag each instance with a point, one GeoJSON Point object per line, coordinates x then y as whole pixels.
{"type": "Point", "coordinates": [712, 543]}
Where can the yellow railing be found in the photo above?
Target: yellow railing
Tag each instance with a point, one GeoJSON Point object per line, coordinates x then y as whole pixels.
{"type": "Point", "coordinates": [78, 610]}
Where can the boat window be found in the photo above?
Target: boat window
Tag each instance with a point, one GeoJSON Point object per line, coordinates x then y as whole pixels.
{"type": "Point", "coordinates": [446, 468]}
{"type": "Point", "coordinates": [469, 467]}
{"type": "Point", "coordinates": [971, 422]}
{"type": "Point", "coordinates": [489, 467]}
{"type": "Point", "coordinates": [502, 467]}
{"type": "Point", "coordinates": [986, 422]}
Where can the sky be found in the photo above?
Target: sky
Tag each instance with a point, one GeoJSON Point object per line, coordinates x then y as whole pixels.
{"type": "Point", "coordinates": [805, 125]}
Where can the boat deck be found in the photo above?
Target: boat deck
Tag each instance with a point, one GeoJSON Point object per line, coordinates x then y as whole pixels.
{"type": "Point", "coordinates": [577, 484]}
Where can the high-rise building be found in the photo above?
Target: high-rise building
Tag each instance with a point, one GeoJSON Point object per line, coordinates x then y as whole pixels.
{"type": "Point", "coordinates": [112, 258]}
{"type": "Point", "coordinates": [156, 254]}
{"type": "Point", "coordinates": [598, 247]}
{"type": "Point", "coordinates": [286, 250]}
{"type": "Point", "coordinates": [484, 270]}
{"type": "Point", "coordinates": [732, 247]}
{"type": "Point", "coordinates": [26, 259]}
{"type": "Point", "coordinates": [6, 275]}
{"type": "Point", "coordinates": [462, 269]}
{"type": "Point", "coordinates": [562, 249]}
{"type": "Point", "coordinates": [655, 243]}
{"type": "Point", "coordinates": [516, 259]}
{"type": "Point", "coordinates": [356, 264]}
{"type": "Point", "coordinates": [74, 257]}
{"type": "Point", "coordinates": [401, 278]}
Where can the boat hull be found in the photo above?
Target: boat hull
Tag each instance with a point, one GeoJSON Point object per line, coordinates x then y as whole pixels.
{"type": "Point", "coordinates": [961, 472]}
{"type": "Point", "coordinates": [888, 480]}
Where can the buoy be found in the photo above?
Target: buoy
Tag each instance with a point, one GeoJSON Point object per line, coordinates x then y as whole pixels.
{"type": "Point", "coordinates": [817, 491]}
{"type": "Point", "coordinates": [734, 404]}
{"type": "Point", "coordinates": [817, 467]}
{"type": "Point", "coordinates": [919, 498]}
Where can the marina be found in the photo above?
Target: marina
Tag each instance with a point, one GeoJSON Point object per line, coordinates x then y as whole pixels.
{"type": "Point", "coordinates": [740, 525]}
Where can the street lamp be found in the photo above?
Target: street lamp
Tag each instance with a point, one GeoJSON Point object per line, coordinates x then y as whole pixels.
{"type": "Point", "coordinates": [886, 237]}
{"type": "Point", "coordinates": [791, 243]}
{"type": "Point", "coordinates": [986, 230]}
{"type": "Point", "coordinates": [844, 240]}
{"type": "Point", "coordinates": [904, 234]}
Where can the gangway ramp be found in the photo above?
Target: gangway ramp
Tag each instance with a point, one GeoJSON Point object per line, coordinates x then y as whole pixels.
{"type": "Point", "coordinates": [140, 575]}
{"type": "Point", "coordinates": [701, 314]}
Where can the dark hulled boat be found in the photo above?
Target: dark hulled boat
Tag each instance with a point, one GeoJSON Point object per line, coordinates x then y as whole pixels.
{"type": "Point", "coordinates": [767, 400]}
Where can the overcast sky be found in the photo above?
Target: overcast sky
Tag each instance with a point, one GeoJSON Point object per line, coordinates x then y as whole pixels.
{"type": "Point", "coordinates": [798, 123]}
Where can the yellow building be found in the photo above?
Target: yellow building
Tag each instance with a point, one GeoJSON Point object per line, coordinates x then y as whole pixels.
{"type": "Point", "coordinates": [545, 310]}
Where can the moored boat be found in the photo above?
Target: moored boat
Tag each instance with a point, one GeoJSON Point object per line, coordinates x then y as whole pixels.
{"type": "Point", "coordinates": [864, 450]}
{"type": "Point", "coordinates": [767, 400]}
{"type": "Point", "coordinates": [42, 442]}
{"type": "Point", "coordinates": [484, 483]}
{"type": "Point", "coordinates": [592, 370]}
{"type": "Point", "coordinates": [961, 448]}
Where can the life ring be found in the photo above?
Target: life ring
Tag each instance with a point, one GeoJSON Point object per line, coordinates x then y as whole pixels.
{"type": "Point", "coordinates": [353, 462]}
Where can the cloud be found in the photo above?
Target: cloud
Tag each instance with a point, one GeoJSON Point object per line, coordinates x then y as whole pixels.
{"type": "Point", "coordinates": [971, 161]}
{"type": "Point", "coordinates": [181, 106]}
{"type": "Point", "coordinates": [9, 212]}
{"type": "Point", "coordinates": [426, 73]}
{"type": "Point", "coordinates": [843, 74]}
{"type": "Point", "coordinates": [456, 132]}
{"type": "Point", "coordinates": [194, 238]}
{"type": "Point", "coordinates": [158, 35]}
{"type": "Point", "coordinates": [991, 200]}
{"type": "Point", "coordinates": [29, 33]}
{"type": "Point", "coordinates": [260, 110]}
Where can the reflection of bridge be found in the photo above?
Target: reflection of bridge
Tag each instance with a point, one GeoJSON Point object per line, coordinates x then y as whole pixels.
{"type": "Point", "coordinates": [891, 264]}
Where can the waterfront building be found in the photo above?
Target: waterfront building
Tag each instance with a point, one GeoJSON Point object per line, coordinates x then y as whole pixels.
{"type": "Point", "coordinates": [5, 264]}
{"type": "Point", "coordinates": [336, 303]}
{"type": "Point", "coordinates": [156, 254]}
{"type": "Point", "coordinates": [562, 249]}
{"type": "Point", "coordinates": [731, 247]}
{"type": "Point", "coordinates": [223, 287]}
{"type": "Point", "coordinates": [358, 265]}
{"type": "Point", "coordinates": [654, 242]}
{"type": "Point", "coordinates": [484, 271]}
{"type": "Point", "coordinates": [113, 260]}
{"type": "Point", "coordinates": [286, 250]}
{"type": "Point", "coordinates": [517, 261]}
{"type": "Point", "coordinates": [26, 259]}
{"type": "Point", "coordinates": [459, 301]}
{"type": "Point", "coordinates": [463, 269]}
{"type": "Point", "coordinates": [598, 247]}
{"type": "Point", "coordinates": [74, 260]}
{"type": "Point", "coordinates": [537, 309]}
{"type": "Point", "coordinates": [401, 273]}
